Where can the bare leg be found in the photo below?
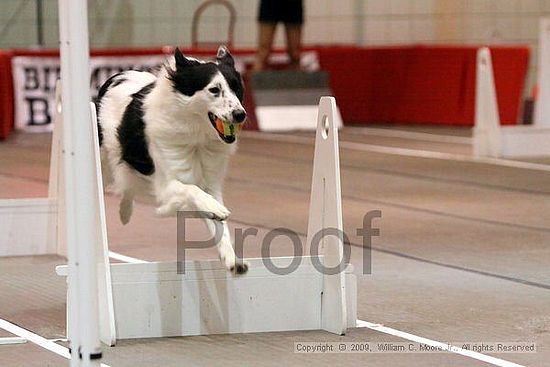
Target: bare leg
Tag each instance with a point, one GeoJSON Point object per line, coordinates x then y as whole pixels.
{"type": "Point", "coordinates": [294, 44]}
{"type": "Point", "coordinates": [265, 41]}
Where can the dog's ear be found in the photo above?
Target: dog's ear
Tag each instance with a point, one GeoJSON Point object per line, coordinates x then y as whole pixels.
{"type": "Point", "coordinates": [224, 56]}
{"type": "Point", "coordinates": [181, 60]}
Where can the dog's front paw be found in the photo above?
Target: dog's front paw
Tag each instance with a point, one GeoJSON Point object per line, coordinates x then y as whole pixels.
{"type": "Point", "coordinates": [230, 261]}
{"type": "Point", "coordinates": [212, 208]}
{"type": "Point", "coordinates": [240, 267]}
{"type": "Point", "coordinates": [236, 266]}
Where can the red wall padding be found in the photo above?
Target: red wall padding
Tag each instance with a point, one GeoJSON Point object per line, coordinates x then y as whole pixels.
{"type": "Point", "coordinates": [420, 84]}
{"type": "Point", "coordinates": [410, 84]}
{"type": "Point", "coordinates": [6, 94]}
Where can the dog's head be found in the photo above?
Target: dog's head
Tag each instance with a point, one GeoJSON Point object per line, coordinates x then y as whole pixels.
{"type": "Point", "coordinates": [213, 90]}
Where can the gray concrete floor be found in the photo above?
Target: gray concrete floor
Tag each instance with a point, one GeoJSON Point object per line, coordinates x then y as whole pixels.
{"type": "Point", "coordinates": [463, 256]}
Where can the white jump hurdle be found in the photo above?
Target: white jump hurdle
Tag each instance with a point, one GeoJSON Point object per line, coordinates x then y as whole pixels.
{"type": "Point", "coordinates": [152, 300]}
{"type": "Point", "coordinates": [32, 226]}
{"type": "Point", "coordinates": [114, 301]}
{"type": "Point", "coordinates": [490, 139]}
{"type": "Point", "coordinates": [144, 300]}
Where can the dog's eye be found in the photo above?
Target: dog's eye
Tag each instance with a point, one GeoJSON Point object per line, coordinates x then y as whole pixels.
{"type": "Point", "coordinates": [214, 90]}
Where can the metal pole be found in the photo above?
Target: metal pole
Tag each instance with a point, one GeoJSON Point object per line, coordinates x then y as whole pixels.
{"type": "Point", "coordinates": [40, 23]}
{"type": "Point", "coordinates": [79, 184]}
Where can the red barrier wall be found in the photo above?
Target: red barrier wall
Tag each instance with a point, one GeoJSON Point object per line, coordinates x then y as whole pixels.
{"type": "Point", "coordinates": [6, 94]}
{"type": "Point", "coordinates": [420, 84]}
{"type": "Point", "coordinates": [413, 84]}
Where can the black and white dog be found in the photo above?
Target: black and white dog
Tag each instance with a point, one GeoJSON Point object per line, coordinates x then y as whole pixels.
{"type": "Point", "coordinates": [172, 135]}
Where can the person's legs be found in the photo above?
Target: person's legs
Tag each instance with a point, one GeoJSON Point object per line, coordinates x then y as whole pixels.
{"type": "Point", "coordinates": [266, 35]}
{"type": "Point", "coordinates": [294, 43]}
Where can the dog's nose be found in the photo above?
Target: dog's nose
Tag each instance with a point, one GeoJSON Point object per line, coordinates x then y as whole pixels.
{"type": "Point", "coordinates": [239, 115]}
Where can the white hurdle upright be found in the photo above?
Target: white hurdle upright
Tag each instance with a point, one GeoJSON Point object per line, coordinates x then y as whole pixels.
{"type": "Point", "coordinates": [153, 300]}
{"type": "Point", "coordinates": [325, 211]}
{"type": "Point", "coordinates": [81, 202]}
{"type": "Point", "coordinates": [542, 106]}
{"type": "Point", "coordinates": [493, 140]}
{"type": "Point", "coordinates": [487, 140]}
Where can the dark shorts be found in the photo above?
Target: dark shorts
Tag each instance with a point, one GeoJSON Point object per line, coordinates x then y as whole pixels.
{"type": "Point", "coordinates": [286, 11]}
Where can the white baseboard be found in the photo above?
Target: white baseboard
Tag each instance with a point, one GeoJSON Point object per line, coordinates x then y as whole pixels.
{"type": "Point", "coordinates": [288, 118]}
{"type": "Point", "coordinates": [28, 227]}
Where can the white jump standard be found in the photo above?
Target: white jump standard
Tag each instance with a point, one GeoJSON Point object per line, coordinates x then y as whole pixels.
{"type": "Point", "coordinates": [79, 185]}
{"type": "Point", "coordinates": [153, 300]}
{"type": "Point", "coordinates": [493, 140]}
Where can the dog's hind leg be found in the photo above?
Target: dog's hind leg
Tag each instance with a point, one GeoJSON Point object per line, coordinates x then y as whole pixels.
{"type": "Point", "coordinates": [126, 206]}
{"type": "Point", "coordinates": [106, 172]}
{"type": "Point", "coordinates": [124, 184]}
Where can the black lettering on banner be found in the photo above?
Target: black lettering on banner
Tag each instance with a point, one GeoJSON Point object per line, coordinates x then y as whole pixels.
{"type": "Point", "coordinates": [51, 74]}
{"type": "Point", "coordinates": [31, 78]}
{"type": "Point", "coordinates": [38, 111]}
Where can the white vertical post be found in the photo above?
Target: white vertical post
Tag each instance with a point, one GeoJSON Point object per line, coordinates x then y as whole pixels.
{"type": "Point", "coordinates": [55, 153]}
{"type": "Point", "coordinates": [57, 177]}
{"type": "Point", "coordinates": [107, 327]}
{"type": "Point", "coordinates": [487, 139]}
{"type": "Point", "coordinates": [79, 183]}
{"type": "Point", "coordinates": [542, 105]}
{"type": "Point", "coordinates": [325, 212]}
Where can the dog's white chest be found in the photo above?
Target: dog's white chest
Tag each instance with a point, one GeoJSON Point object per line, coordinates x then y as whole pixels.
{"type": "Point", "coordinates": [198, 165]}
